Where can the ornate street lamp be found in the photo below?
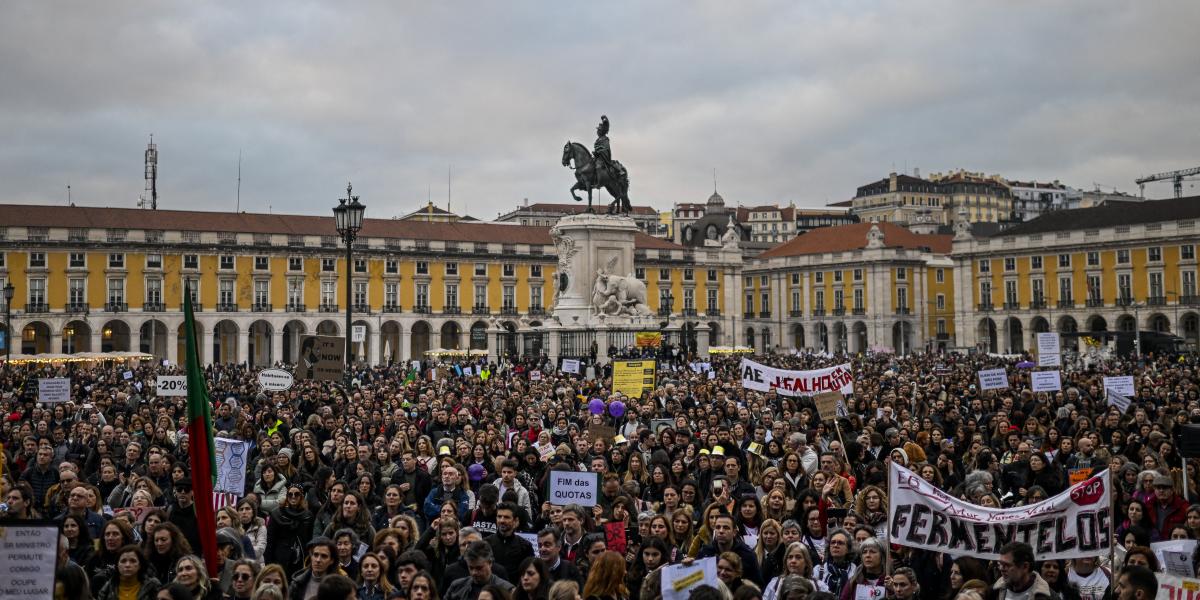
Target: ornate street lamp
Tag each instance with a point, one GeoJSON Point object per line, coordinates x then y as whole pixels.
{"type": "Point", "coordinates": [9, 292]}
{"type": "Point", "coordinates": [348, 218]}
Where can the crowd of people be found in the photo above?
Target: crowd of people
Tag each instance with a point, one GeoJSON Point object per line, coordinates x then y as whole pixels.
{"type": "Point", "coordinates": [406, 484]}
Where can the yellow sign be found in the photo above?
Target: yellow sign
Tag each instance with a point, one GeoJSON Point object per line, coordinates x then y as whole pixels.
{"type": "Point", "coordinates": [648, 339]}
{"type": "Point", "coordinates": [632, 377]}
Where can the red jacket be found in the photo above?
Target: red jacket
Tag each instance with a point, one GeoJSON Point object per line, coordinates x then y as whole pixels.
{"type": "Point", "coordinates": [1166, 517]}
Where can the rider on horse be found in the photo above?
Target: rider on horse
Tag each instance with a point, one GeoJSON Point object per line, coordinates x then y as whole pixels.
{"type": "Point", "coordinates": [602, 152]}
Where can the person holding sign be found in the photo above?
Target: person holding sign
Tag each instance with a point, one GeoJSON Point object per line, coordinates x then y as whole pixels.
{"type": "Point", "coordinates": [870, 576]}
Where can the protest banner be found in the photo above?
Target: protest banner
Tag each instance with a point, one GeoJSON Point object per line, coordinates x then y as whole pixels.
{"type": "Point", "coordinates": [1174, 587]}
{"type": "Point", "coordinates": [52, 390]}
{"type": "Point", "coordinates": [1046, 381]}
{"type": "Point", "coordinates": [1049, 350]}
{"type": "Point", "coordinates": [827, 404]}
{"type": "Point", "coordinates": [231, 465]}
{"type": "Point", "coordinates": [648, 339]}
{"type": "Point", "coordinates": [322, 358]}
{"type": "Point", "coordinates": [171, 385]}
{"type": "Point", "coordinates": [614, 536]}
{"type": "Point", "coordinates": [632, 377]}
{"type": "Point", "coordinates": [1175, 556]}
{"type": "Point", "coordinates": [573, 487]}
{"type": "Point", "coordinates": [760, 377]}
{"type": "Point", "coordinates": [1074, 524]}
{"type": "Point", "coordinates": [1079, 474]}
{"type": "Point", "coordinates": [993, 379]}
{"type": "Point", "coordinates": [679, 580]}
{"type": "Point", "coordinates": [1122, 385]}
{"type": "Point", "coordinates": [570, 365]}
{"type": "Point", "coordinates": [870, 592]}
{"type": "Point", "coordinates": [358, 334]}
{"type": "Point", "coordinates": [29, 553]}
{"type": "Point", "coordinates": [275, 380]}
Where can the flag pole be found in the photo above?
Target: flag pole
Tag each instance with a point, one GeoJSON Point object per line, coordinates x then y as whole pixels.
{"type": "Point", "coordinates": [201, 458]}
{"type": "Point", "coordinates": [1112, 541]}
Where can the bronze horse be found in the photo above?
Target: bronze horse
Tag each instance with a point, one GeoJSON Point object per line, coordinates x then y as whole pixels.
{"type": "Point", "coordinates": [587, 178]}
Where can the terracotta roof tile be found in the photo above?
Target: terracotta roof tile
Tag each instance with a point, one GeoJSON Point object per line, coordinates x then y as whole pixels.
{"type": "Point", "coordinates": [841, 238]}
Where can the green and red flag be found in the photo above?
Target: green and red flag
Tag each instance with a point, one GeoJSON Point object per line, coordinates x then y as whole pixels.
{"type": "Point", "coordinates": [201, 455]}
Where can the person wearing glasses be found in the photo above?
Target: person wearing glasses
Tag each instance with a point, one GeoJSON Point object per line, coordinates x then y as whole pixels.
{"type": "Point", "coordinates": [288, 530]}
{"type": "Point", "coordinates": [241, 582]}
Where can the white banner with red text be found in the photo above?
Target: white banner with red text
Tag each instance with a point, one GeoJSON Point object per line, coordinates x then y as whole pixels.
{"type": "Point", "coordinates": [1073, 524]}
{"type": "Point", "coordinates": [762, 378]}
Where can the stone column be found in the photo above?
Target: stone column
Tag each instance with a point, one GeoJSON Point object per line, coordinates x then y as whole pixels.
{"type": "Point", "coordinates": [135, 339]}
{"type": "Point", "coordinates": [276, 346]}
{"type": "Point", "coordinates": [55, 340]}
{"type": "Point", "coordinates": [206, 345]}
{"type": "Point", "coordinates": [173, 345]}
{"type": "Point", "coordinates": [243, 347]}
{"type": "Point", "coordinates": [553, 344]}
{"type": "Point", "coordinates": [702, 331]}
{"type": "Point", "coordinates": [601, 347]}
{"type": "Point", "coordinates": [97, 338]}
{"type": "Point", "coordinates": [402, 353]}
{"type": "Point", "coordinates": [493, 335]}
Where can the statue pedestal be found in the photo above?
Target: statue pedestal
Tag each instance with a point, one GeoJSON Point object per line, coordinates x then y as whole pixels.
{"type": "Point", "coordinates": [588, 244]}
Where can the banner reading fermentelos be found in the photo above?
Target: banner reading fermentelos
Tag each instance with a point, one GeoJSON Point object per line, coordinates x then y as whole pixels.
{"type": "Point", "coordinates": [762, 378]}
{"type": "Point", "coordinates": [1073, 524]}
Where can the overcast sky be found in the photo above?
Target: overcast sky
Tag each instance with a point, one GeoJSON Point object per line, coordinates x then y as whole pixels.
{"type": "Point", "coordinates": [788, 101]}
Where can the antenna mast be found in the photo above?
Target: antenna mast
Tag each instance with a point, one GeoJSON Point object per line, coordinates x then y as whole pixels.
{"type": "Point", "coordinates": [150, 197]}
{"type": "Point", "coordinates": [239, 183]}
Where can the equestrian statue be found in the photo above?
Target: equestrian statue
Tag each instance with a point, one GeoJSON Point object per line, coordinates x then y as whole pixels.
{"type": "Point", "coordinates": [599, 170]}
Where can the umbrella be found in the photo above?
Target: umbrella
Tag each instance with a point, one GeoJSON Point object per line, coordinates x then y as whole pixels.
{"type": "Point", "coordinates": [387, 351]}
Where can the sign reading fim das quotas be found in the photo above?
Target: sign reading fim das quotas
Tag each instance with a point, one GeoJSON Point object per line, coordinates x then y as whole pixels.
{"type": "Point", "coordinates": [322, 357]}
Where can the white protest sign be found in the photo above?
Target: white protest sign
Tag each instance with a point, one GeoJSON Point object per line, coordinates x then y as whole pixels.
{"type": "Point", "coordinates": [573, 487]}
{"type": "Point", "coordinates": [1048, 350]}
{"type": "Point", "coordinates": [1175, 556]}
{"type": "Point", "coordinates": [54, 390]}
{"type": "Point", "coordinates": [127, 375]}
{"type": "Point", "coordinates": [763, 378]}
{"type": "Point", "coordinates": [570, 365]}
{"type": "Point", "coordinates": [1174, 587]}
{"type": "Point", "coordinates": [358, 333]}
{"type": "Point", "coordinates": [678, 581]}
{"type": "Point", "coordinates": [870, 592]}
{"type": "Point", "coordinates": [993, 379]}
{"type": "Point", "coordinates": [275, 380]}
{"type": "Point", "coordinates": [1046, 381]}
{"type": "Point", "coordinates": [231, 465]}
{"type": "Point", "coordinates": [28, 553]}
{"type": "Point", "coordinates": [171, 385]}
{"type": "Point", "coordinates": [1122, 385]}
{"type": "Point", "coordinates": [535, 375]}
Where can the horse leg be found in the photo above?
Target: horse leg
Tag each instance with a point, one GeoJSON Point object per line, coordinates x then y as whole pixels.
{"type": "Point", "coordinates": [590, 199]}
{"type": "Point", "coordinates": [573, 195]}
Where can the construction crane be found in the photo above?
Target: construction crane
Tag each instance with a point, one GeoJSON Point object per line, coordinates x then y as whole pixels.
{"type": "Point", "coordinates": [1177, 176]}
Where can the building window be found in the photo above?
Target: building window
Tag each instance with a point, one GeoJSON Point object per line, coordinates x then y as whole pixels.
{"type": "Point", "coordinates": [360, 265]}
{"type": "Point", "coordinates": [688, 274]}
{"type": "Point", "coordinates": [639, 273]}
{"type": "Point", "coordinates": [985, 293]}
{"type": "Point", "coordinates": [360, 293]}
{"type": "Point", "coordinates": [839, 300]}
{"type": "Point", "coordinates": [1155, 254]}
{"type": "Point", "coordinates": [535, 270]}
{"type": "Point", "coordinates": [226, 263]}
{"type": "Point", "coordinates": [1156, 284]}
{"type": "Point", "coordinates": [1094, 290]}
{"type": "Point", "coordinates": [535, 296]}
{"type": "Point", "coordinates": [858, 299]}
{"type": "Point", "coordinates": [295, 263]}
{"type": "Point", "coordinates": [391, 266]}
{"type": "Point", "coordinates": [1065, 293]}
{"type": "Point", "coordinates": [1035, 262]}
{"type": "Point", "coordinates": [985, 266]}
{"type": "Point", "coordinates": [295, 291]}
{"type": "Point", "coordinates": [1187, 252]}
{"type": "Point", "coordinates": [858, 274]}
{"type": "Point", "coordinates": [711, 300]}
{"type": "Point", "coordinates": [328, 265]}
{"type": "Point", "coordinates": [421, 293]}
{"type": "Point", "coordinates": [819, 276]}
{"type": "Point", "coordinates": [837, 276]}
{"type": "Point", "coordinates": [795, 279]}
{"type": "Point", "coordinates": [796, 300]}
{"type": "Point", "coordinates": [391, 294]}
{"type": "Point", "coordinates": [481, 269]}
{"type": "Point", "coordinates": [262, 291]}
{"type": "Point", "coordinates": [1010, 264]}
{"type": "Point", "coordinates": [902, 298]}
{"type": "Point", "coordinates": [153, 261]}
{"type": "Point", "coordinates": [1125, 287]}
{"type": "Point", "coordinates": [77, 291]}
{"type": "Point", "coordinates": [78, 260]}
{"type": "Point", "coordinates": [510, 297]}
{"type": "Point", "coordinates": [261, 263]}
{"type": "Point", "coordinates": [116, 290]}
{"type": "Point", "coordinates": [508, 270]}
{"type": "Point", "coordinates": [451, 299]}
{"type": "Point", "coordinates": [452, 268]}
{"type": "Point", "coordinates": [153, 290]}
{"type": "Point", "coordinates": [766, 302]}
{"type": "Point", "coordinates": [1093, 259]}
{"type": "Point", "coordinates": [1188, 279]}
{"type": "Point", "coordinates": [941, 326]}
{"type": "Point", "coordinates": [901, 274]}
{"type": "Point", "coordinates": [820, 300]}
{"type": "Point", "coordinates": [116, 260]}
{"type": "Point", "coordinates": [192, 284]}
{"type": "Point", "coordinates": [1010, 292]}
{"type": "Point", "coordinates": [1064, 261]}
{"type": "Point", "coordinates": [422, 267]}
{"type": "Point", "coordinates": [328, 292]}
{"type": "Point", "coordinates": [689, 299]}
{"type": "Point", "coordinates": [749, 302]}
{"type": "Point", "coordinates": [37, 291]}
{"type": "Point", "coordinates": [940, 302]}
{"type": "Point", "coordinates": [225, 292]}
{"type": "Point", "coordinates": [481, 295]}
{"type": "Point", "coordinates": [191, 261]}
{"type": "Point", "coordinates": [712, 274]}
{"type": "Point", "coordinates": [664, 274]}
{"type": "Point", "coordinates": [1123, 256]}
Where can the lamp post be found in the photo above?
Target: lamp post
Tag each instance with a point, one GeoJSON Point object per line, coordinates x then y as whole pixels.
{"type": "Point", "coordinates": [348, 218]}
{"type": "Point", "coordinates": [9, 292]}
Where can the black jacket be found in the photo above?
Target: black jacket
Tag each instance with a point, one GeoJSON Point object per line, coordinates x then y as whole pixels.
{"type": "Point", "coordinates": [750, 568]}
{"type": "Point", "coordinates": [566, 571]}
{"type": "Point", "coordinates": [287, 533]}
{"type": "Point", "coordinates": [509, 551]}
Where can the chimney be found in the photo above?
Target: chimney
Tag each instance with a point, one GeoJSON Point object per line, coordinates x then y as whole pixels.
{"type": "Point", "coordinates": [527, 203]}
{"type": "Point", "coordinates": [892, 182]}
{"type": "Point", "coordinates": [917, 172]}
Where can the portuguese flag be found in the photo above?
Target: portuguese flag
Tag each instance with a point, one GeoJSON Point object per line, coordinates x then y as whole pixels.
{"type": "Point", "coordinates": [201, 457]}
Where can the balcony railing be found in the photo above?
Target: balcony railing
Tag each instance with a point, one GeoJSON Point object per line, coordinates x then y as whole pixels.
{"type": "Point", "coordinates": [422, 309]}
{"type": "Point", "coordinates": [480, 309]}
{"type": "Point", "coordinates": [748, 314]}
{"type": "Point", "coordinates": [261, 307]}
{"type": "Point", "coordinates": [664, 311]}
{"type": "Point", "coordinates": [1190, 300]}
{"type": "Point", "coordinates": [80, 308]}
{"type": "Point", "coordinates": [508, 310]}
{"type": "Point", "coordinates": [116, 307]}
{"type": "Point", "coordinates": [766, 314]}
{"type": "Point", "coordinates": [451, 310]}
{"type": "Point", "coordinates": [1125, 301]}
{"type": "Point", "coordinates": [36, 307]}
{"type": "Point", "coordinates": [1066, 303]}
{"type": "Point", "coordinates": [1156, 301]}
{"type": "Point", "coordinates": [1095, 302]}
{"type": "Point", "coordinates": [1012, 306]}
{"type": "Point", "coordinates": [839, 311]}
{"type": "Point", "coordinates": [818, 312]}
{"type": "Point", "coordinates": [227, 307]}
{"type": "Point", "coordinates": [902, 310]}
{"type": "Point", "coordinates": [537, 310]}
{"type": "Point", "coordinates": [1037, 304]}
{"type": "Point", "coordinates": [296, 307]}
{"type": "Point", "coordinates": [858, 310]}
{"type": "Point", "coordinates": [713, 312]}
{"type": "Point", "coordinates": [986, 307]}
{"type": "Point", "coordinates": [390, 308]}
{"type": "Point", "coordinates": [149, 307]}
{"type": "Point", "coordinates": [795, 313]}
{"type": "Point", "coordinates": [362, 309]}
{"type": "Point", "coordinates": [328, 308]}
{"type": "Point", "coordinates": [689, 312]}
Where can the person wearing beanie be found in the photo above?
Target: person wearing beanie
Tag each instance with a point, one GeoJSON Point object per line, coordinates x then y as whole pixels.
{"type": "Point", "coordinates": [229, 550]}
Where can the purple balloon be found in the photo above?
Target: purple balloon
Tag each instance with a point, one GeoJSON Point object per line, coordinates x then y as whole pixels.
{"type": "Point", "coordinates": [616, 408]}
{"type": "Point", "coordinates": [596, 406]}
